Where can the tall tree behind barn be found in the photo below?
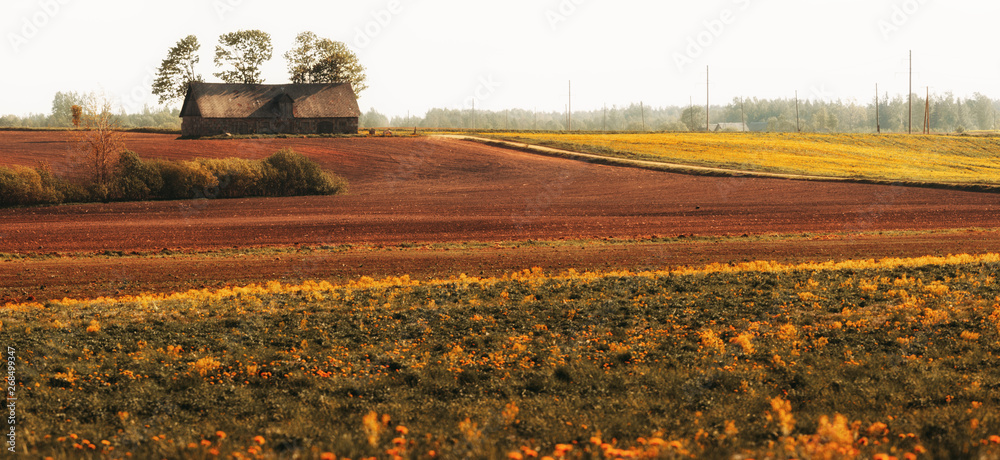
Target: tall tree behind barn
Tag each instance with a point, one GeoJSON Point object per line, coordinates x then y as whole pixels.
{"type": "Point", "coordinates": [212, 109]}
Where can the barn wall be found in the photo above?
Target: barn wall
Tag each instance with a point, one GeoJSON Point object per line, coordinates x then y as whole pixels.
{"type": "Point", "coordinates": [197, 126]}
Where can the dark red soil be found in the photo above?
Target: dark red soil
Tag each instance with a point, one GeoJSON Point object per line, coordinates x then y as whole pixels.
{"type": "Point", "coordinates": [92, 276]}
{"type": "Point", "coordinates": [438, 190]}
{"type": "Point", "coordinates": [425, 189]}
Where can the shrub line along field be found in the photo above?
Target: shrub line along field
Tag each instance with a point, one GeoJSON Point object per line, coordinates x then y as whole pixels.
{"type": "Point", "coordinates": [284, 173]}
{"type": "Point", "coordinates": [666, 316]}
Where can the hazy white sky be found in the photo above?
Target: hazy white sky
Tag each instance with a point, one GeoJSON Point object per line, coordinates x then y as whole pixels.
{"type": "Point", "coordinates": [422, 54]}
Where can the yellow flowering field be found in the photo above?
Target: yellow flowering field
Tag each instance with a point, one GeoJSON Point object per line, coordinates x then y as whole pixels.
{"type": "Point", "coordinates": [887, 157]}
{"type": "Point", "coordinates": [892, 358]}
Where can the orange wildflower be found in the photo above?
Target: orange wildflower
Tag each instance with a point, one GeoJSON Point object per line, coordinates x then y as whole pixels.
{"type": "Point", "coordinates": [563, 448]}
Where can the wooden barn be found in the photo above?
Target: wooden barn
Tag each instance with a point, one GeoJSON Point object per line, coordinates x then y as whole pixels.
{"type": "Point", "coordinates": [212, 109]}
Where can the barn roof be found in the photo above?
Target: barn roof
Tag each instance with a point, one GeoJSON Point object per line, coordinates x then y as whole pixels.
{"type": "Point", "coordinates": [310, 100]}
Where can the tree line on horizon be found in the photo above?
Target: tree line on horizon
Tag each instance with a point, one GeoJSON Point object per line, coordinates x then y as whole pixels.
{"type": "Point", "coordinates": [61, 115]}
{"type": "Point", "coordinates": [948, 114]}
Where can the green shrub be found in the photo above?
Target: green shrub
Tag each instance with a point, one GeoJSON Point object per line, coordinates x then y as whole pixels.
{"type": "Point", "coordinates": [183, 180]}
{"type": "Point", "coordinates": [237, 177]}
{"type": "Point", "coordinates": [20, 186]}
{"type": "Point", "coordinates": [72, 193]}
{"type": "Point", "coordinates": [293, 174]}
{"type": "Point", "coordinates": [98, 193]}
{"type": "Point", "coordinates": [134, 179]}
{"type": "Point", "coordinates": [51, 185]}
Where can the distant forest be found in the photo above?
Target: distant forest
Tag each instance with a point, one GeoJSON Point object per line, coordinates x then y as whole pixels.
{"type": "Point", "coordinates": [62, 115]}
{"type": "Point", "coordinates": [947, 114]}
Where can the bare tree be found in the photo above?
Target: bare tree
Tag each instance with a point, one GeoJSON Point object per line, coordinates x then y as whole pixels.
{"type": "Point", "coordinates": [101, 139]}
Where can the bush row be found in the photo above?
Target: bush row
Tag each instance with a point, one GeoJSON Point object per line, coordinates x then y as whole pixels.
{"type": "Point", "coordinates": [284, 173]}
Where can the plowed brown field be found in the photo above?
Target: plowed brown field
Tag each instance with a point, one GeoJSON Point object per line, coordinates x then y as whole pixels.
{"type": "Point", "coordinates": [444, 190]}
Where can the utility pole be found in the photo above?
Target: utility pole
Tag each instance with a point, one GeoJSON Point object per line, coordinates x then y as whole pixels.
{"type": "Point", "coordinates": [604, 125]}
{"type": "Point", "coordinates": [798, 128]}
{"type": "Point", "coordinates": [473, 114]}
{"type": "Point", "coordinates": [878, 121]}
{"type": "Point", "coordinates": [707, 99]}
{"type": "Point", "coordinates": [927, 112]}
{"type": "Point", "coordinates": [743, 116]}
{"type": "Point", "coordinates": [909, 126]}
{"type": "Point", "coordinates": [642, 111]}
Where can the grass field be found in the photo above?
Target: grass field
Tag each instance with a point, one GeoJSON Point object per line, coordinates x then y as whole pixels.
{"type": "Point", "coordinates": [890, 157]}
{"type": "Point", "coordinates": [854, 359]}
